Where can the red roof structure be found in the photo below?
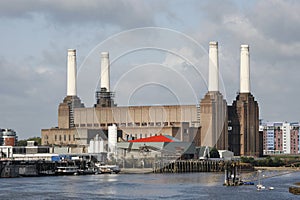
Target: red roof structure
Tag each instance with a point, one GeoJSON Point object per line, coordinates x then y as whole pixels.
{"type": "Point", "coordinates": [158, 138]}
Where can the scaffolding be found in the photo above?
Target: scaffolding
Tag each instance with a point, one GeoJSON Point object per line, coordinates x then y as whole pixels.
{"type": "Point", "coordinates": [104, 98]}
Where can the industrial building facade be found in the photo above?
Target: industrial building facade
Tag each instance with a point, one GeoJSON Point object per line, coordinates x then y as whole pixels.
{"type": "Point", "coordinates": [244, 138]}
{"type": "Point", "coordinates": [205, 124]}
{"type": "Point", "coordinates": [135, 122]}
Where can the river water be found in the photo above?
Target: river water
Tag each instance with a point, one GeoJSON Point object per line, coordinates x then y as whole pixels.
{"type": "Point", "coordinates": [144, 186]}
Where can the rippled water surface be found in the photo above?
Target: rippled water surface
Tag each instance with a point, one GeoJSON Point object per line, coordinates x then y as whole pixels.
{"type": "Point", "coordinates": [143, 186]}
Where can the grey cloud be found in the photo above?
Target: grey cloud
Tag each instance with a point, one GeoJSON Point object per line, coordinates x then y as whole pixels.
{"type": "Point", "coordinates": [18, 78]}
{"type": "Point", "coordinates": [124, 13]}
{"type": "Point", "coordinates": [215, 10]}
{"type": "Point", "coordinates": [277, 19]}
{"type": "Point", "coordinates": [29, 96]}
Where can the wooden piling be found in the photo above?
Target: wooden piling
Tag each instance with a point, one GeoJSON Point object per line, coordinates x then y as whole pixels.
{"type": "Point", "coordinates": [185, 166]}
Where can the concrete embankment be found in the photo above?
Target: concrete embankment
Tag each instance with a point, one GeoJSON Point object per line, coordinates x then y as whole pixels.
{"type": "Point", "coordinates": [136, 170]}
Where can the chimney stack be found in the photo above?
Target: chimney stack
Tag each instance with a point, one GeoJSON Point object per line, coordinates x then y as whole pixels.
{"type": "Point", "coordinates": [213, 77]}
{"type": "Point", "coordinates": [245, 69]}
{"type": "Point", "coordinates": [105, 74]}
{"type": "Point", "coordinates": [71, 84]}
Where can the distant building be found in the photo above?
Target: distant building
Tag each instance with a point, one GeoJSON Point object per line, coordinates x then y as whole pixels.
{"type": "Point", "coordinates": [8, 137]}
{"type": "Point", "coordinates": [294, 138]}
{"type": "Point", "coordinates": [280, 138]}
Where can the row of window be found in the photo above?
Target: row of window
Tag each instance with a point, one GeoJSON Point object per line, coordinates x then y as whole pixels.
{"type": "Point", "coordinates": [64, 137]}
{"type": "Point", "coordinates": [130, 124]}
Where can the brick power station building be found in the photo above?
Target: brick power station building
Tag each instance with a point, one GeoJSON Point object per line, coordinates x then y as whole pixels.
{"type": "Point", "coordinates": [210, 123]}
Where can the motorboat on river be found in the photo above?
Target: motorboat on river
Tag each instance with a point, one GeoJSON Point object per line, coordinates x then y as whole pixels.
{"type": "Point", "coordinates": [108, 169]}
{"type": "Point", "coordinates": [66, 170]}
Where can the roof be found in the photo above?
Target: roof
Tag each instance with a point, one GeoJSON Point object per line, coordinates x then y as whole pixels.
{"type": "Point", "coordinates": [158, 138]}
{"type": "Point", "coordinates": [182, 147]}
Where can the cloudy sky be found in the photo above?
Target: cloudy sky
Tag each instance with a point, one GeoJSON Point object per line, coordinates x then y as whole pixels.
{"type": "Point", "coordinates": [158, 49]}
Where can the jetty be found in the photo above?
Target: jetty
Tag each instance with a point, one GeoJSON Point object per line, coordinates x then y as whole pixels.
{"type": "Point", "coordinates": [184, 166]}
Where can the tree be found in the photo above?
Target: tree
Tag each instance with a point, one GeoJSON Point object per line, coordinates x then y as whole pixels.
{"type": "Point", "coordinates": [214, 153]}
{"type": "Point", "coordinates": [22, 143]}
{"type": "Point", "coordinates": [37, 141]}
{"type": "Point", "coordinates": [278, 162]}
{"type": "Point", "coordinates": [269, 161]}
{"type": "Point", "coordinates": [244, 160]}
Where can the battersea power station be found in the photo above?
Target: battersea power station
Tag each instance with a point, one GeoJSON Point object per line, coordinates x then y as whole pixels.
{"type": "Point", "coordinates": [211, 123]}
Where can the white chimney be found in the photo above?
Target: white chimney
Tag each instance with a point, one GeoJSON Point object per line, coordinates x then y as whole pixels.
{"type": "Point", "coordinates": [112, 138]}
{"type": "Point", "coordinates": [213, 73]}
{"type": "Point", "coordinates": [105, 68]}
{"type": "Point", "coordinates": [71, 82]}
{"type": "Point", "coordinates": [245, 69]}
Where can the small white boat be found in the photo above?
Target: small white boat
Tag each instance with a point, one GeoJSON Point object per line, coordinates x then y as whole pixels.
{"type": "Point", "coordinates": [109, 169]}
{"type": "Point", "coordinates": [271, 188]}
{"type": "Point", "coordinates": [260, 187]}
{"type": "Point", "coordinates": [103, 169]}
{"type": "Point", "coordinates": [67, 170]}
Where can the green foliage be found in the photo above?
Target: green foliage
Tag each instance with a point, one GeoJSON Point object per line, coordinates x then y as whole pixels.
{"type": "Point", "coordinates": [278, 162]}
{"type": "Point", "coordinates": [260, 163]}
{"type": "Point", "coordinates": [250, 160]}
{"type": "Point", "coordinates": [269, 162]}
{"type": "Point", "coordinates": [37, 141]}
{"type": "Point", "coordinates": [214, 153]}
{"type": "Point", "coordinates": [266, 162]}
{"type": "Point", "coordinates": [22, 143]}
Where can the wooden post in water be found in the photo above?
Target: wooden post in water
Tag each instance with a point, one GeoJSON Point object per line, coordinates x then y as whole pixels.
{"type": "Point", "coordinates": [226, 177]}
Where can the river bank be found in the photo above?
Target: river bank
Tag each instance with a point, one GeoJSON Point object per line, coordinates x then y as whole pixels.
{"type": "Point", "coordinates": [278, 168]}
